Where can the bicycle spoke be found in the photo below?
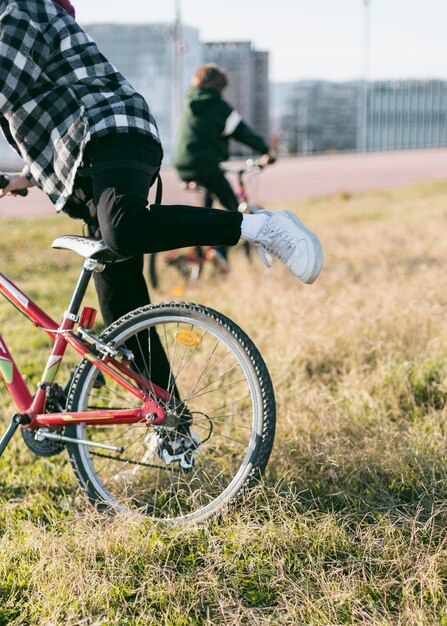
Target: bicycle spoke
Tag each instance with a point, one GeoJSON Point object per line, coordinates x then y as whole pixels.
{"type": "Point", "coordinates": [205, 393]}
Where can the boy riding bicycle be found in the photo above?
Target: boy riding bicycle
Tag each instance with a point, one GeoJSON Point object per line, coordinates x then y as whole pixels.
{"type": "Point", "coordinates": [206, 125]}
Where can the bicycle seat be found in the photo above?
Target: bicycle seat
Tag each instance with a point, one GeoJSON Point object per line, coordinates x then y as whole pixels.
{"type": "Point", "coordinates": [88, 247]}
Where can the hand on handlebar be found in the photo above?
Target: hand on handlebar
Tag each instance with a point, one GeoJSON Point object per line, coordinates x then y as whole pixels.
{"type": "Point", "coordinates": [16, 184]}
{"type": "Point", "coordinates": [267, 159]}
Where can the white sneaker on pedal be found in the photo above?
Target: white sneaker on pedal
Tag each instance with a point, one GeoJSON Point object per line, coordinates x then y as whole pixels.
{"type": "Point", "coordinates": [284, 236]}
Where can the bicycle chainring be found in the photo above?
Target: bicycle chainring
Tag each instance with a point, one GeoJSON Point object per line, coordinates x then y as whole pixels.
{"type": "Point", "coordinates": [56, 401]}
{"type": "Point", "coordinates": [44, 447]}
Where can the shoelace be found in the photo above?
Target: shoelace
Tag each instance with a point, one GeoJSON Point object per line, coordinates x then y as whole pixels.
{"type": "Point", "coordinates": [276, 243]}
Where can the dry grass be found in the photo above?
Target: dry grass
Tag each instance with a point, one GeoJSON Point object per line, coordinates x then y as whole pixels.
{"type": "Point", "coordinates": [349, 527]}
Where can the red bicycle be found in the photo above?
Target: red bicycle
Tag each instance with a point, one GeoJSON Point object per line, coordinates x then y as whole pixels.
{"type": "Point", "coordinates": [176, 452]}
{"type": "Point", "coordinates": [188, 264]}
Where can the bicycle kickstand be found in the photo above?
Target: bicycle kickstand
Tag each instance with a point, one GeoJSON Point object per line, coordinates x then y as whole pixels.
{"type": "Point", "coordinates": [15, 423]}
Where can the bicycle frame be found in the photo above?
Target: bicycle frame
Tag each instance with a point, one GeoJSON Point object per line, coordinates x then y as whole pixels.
{"type": "Point", "coordinates": [241, 194]}
{"type": "Point", "coordinates": [31, 408]}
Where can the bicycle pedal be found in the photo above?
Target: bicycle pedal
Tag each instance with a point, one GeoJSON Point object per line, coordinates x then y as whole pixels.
{"type": "Point", "coordinates": [179, 448]}
{"type": "Point", "coordinates": [186, 459]}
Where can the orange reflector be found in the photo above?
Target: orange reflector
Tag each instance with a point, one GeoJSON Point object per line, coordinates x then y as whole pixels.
{"type": "Point", "coordinates": [188, 338]}
{"type": "Point", "coordinates": [178, 290]}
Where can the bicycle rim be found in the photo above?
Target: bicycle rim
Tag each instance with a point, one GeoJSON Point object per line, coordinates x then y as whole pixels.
{"type": "Point", "coordinates": [223, 431]}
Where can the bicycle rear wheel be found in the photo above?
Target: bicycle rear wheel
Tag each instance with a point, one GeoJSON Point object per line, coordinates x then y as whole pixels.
{"type": "Point", "coordinates": [217, 440]}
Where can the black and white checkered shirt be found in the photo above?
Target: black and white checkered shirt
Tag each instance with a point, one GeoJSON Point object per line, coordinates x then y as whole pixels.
{"type": "Point", "coordinates": [58, 91]}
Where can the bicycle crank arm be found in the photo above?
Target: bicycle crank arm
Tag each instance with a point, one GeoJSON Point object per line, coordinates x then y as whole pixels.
{"type": "Point", "coordinates": [9, 434]}
{"type": "Point", "coordinates": [84, 442]}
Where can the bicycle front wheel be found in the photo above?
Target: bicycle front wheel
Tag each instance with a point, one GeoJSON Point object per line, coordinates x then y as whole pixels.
{"type": "Point", "coordinates": [220, 426]}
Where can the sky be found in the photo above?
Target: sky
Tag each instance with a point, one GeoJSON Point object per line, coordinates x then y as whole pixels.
{"type": "Point", "coordinates": [308, 38]}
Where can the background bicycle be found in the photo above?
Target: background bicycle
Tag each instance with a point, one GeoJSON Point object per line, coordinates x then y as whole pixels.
{"type": "Point", "coordinates": [171, 270]}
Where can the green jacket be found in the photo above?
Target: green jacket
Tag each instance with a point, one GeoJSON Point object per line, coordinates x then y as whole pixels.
{"type": "Point", "coordinates": [206, 124]}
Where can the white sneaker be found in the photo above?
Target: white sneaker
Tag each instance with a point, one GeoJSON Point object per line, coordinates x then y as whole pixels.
{"type": "Point", "coordinates": [284, 236]}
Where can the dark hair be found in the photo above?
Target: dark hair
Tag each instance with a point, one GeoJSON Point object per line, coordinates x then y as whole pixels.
{"type": "Point", "coordinates": [210, 76]}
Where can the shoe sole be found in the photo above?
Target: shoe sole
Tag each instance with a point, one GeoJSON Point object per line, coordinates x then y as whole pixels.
{"type": "Point", "coordinates": [312, 275]}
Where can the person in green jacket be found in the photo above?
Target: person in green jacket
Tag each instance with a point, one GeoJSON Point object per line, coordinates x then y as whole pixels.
{"type": "Point", "coordinates": [206, 125]}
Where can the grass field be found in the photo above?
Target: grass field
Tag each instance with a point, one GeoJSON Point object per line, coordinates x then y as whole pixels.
{"type": "Point", "coordinates": [349, 526]}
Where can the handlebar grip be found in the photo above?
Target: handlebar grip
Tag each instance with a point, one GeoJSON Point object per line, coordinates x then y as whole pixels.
{"type": "Point", "coordinates": [4, 182]}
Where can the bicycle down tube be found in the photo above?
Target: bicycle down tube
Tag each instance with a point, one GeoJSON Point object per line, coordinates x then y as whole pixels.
{"type": "Point", "coordinates": [150, 411]}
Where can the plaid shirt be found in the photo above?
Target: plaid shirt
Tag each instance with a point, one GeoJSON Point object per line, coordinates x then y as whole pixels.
{"type": "Point", "coordinates": [58, 92]}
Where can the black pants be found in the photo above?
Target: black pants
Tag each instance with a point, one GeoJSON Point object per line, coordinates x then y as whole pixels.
{"type": "Point", "coordinates": [124, 168]}
{"type": "Point", "coordinates": [114, 203]}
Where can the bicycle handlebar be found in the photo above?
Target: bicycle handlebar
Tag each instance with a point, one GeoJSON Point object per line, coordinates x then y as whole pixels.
{"type": "Point", "coordinates": [251, 165]}
{"type": "Point", "coordinates": [257, 164]}
{"type": "Point", "coordinates": [4, 183]}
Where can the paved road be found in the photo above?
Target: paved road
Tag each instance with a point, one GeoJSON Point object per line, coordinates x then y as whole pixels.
{"type": "Point", "coordinates": [293, 178]}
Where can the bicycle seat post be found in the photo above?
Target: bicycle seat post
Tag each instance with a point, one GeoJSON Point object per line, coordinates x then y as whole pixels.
{"type": "Point", "coordinates": [81, 287]}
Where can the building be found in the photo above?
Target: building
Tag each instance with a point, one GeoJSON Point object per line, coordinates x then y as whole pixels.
{"type": "Point", "coordinates": [248, 88]}
{"type": "Point", "coordinates": [322, 116]}
{"type": "Point", "coordinates": [406, 114]}
{"type": "Point", "coordinates": [157, 60]}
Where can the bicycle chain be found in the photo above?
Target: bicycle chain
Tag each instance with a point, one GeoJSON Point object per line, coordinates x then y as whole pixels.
{"type": "Point", "coordinates": [115, 458]}
{"type": "Point", "coordinates": [160, 467]}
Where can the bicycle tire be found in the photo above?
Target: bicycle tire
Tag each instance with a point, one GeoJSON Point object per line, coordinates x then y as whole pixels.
{"type": "Point", "coordinates": [225, 385]}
